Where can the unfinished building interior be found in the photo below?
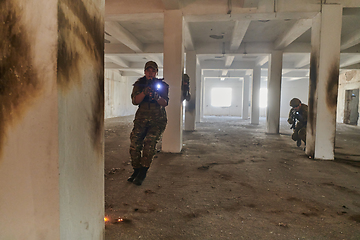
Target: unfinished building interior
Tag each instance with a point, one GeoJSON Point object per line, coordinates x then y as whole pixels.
{"type": "Point", "coordinates": [67, 70]}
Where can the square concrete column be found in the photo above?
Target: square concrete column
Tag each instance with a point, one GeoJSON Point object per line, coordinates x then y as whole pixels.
{"type": "Point", "coordinates": [202, 94]}
{"type": "Point", "coordinates": [190, 110]}
{"type": "Point", "coordinates": [51, 120]}
{"type": "Point", "coordinates": [274, 92]}
{"type": "Point", "coordinates": [173, 71]}
{"type": "Point", "coordinates": [246, 93]}
{"type": "Point", "coordinates": [323, 87]}
{"type": "Point", "coordinates": [198, 92]}
{"type": "Point", "coordinates": [255, 95]}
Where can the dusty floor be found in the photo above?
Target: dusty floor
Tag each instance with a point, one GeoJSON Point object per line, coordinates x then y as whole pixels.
{"type": "Point", "coordinates": [233, 181]}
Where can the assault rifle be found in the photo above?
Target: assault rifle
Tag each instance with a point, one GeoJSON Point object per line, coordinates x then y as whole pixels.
{"type": "Point", "coordinates": [156, 84]}
{"type": "Point", "coordinates": [296, 116]}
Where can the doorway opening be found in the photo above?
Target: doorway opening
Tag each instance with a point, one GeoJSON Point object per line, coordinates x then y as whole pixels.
{"type": "Point", "coordinates": [351, 112]}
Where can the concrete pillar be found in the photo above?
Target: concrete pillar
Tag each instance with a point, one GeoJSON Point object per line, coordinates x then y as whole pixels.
{"type": "Point", "coordinates": [274, 92]}
{"type": "Point", "coordinates": [190, 110]}
{"type": "Point", "coordinates": [323, 87]}
{"type": "Point", "coordinates": [246, 93]}
{"type": "Point", "coordinates": [255, 96]}
{"type": "Point", "coordinates": [173, 70]}
{"type": "Point", "coordinates": [202, 93]}
{"type": "Point", "coordinates": [198, 92]}
{"type": "Point", "coordinates": [51, 120]}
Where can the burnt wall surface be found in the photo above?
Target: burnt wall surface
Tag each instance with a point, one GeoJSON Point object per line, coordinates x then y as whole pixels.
{"type": "Point", "coordinates": [19, 82]}
{"type": "Point", "coordinates": [332, 85]}
{"type": "Point", "coordinates": [312, 89]}
{"type": "Point", "coordinates": [81, 47]}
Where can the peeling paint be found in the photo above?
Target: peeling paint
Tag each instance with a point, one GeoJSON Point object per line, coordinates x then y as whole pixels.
{"type": "Point", "coordinates": [332, 86]}
{"type": "Point", "coordinates": [80, 45]}
{"type": "Point", "coordinates": [19, 83]}
{"type": "Point", "coordinates": [349, 75]}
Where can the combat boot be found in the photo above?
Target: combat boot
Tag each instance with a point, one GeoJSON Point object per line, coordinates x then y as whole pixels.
{"type": "Point", "coordinates": [141, 176]}
{"type": "Point", "coordinates": [134, 175]}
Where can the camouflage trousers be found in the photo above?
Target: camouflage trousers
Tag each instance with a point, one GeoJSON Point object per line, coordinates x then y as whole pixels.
{"type": "Point", "coordinates": [146, 133]}
{"type": "Point", "coordinates": [299, 134]}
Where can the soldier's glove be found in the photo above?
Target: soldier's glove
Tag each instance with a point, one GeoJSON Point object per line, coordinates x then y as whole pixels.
{"type": "Point", "coordinates": [156, 96]}
{"type": "Point", "coordinates": [290, 121]}
{"type": "Point", "coordinates": [147, 91]}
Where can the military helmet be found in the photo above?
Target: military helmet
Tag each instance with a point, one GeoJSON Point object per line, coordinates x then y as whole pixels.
{"type": "Point", "coordinates": [151, 64]}
{"type": "Point", "coordinates": [186, 78]}
{"type": "Point", "coordinates": [295, 102]}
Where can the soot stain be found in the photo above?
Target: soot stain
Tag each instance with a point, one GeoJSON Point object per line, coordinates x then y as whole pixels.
{"type": "Point", "coordinates": [98, 116]}
{"type": "Point", "coordinates": [312, 89]}
{"type": "Point", "coordinates": [19, 81]}
{"type": "Point", "coordinates": [332, 85]}
{"type": "Point", "coordinates": [69, 60]}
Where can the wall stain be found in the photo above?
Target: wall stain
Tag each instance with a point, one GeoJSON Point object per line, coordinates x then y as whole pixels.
{"type": "Point", "coordinates": [312, 90]}
{"type": "Point", "coordinates": [349, 75]}
{"type": "Point", "coordinates": [19, 83]}
{"type": "Point", "coordinates": [332, 86]}
{"type": "Point", "coordinates": [97, 132]}
{"type": "Point", "coordinates": [80, 45]}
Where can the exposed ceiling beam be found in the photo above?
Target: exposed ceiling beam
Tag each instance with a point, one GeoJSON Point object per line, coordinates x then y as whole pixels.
{"type": "Point", "coordinates": [293, 33]}
{"type": "Point", "coordinates": [212, 48]}
{"type": "Point", "coordinates": [213, 64]}
{"type": "Point", "coordinates": [350, 40]}
{"type": "Point", "coordinates": [250, 3]}
{"type": "Point", "coordinates": [262, 60]}
{"type": "Point", "coordinates": [124, 36]}
{"type": "Point", "coordinates": [229, 60]}
{"type": "Point", "coordinates": [224, 72]}
{"type": "Point", "coordinates": [171, 4]}
{"type": "Point", "coordinates": [351, 61]}
{"type": "Point", "coordinates": [302, 62]}
{"type": "Point", "coordinates": [117, 60]}
{"type": "Point", "coordinates": [225, 78]}
{"type": "Point", "coordinates": [209, 14]}
{"type": "Point", "coordinates": [189, 42]}
{"type": "Point", "coordinates": [238, 34]}
{"type": "Point", "coordinates": [237, 65]}
{"type": "Point", "coordinates": [134, 17]}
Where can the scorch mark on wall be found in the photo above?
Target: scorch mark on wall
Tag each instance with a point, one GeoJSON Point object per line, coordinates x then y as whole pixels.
{"type": "Point", "coordinates": [332, 86]}
{"type": "Point", "coordinates": [19, 83]}
{"type": "Point", "coordinates": [80, 50]}
{"type": "Point", "coordinates": [312, 89]}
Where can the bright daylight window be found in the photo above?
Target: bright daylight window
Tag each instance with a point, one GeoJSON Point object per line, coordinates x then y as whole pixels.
{"type": "Point", "coordinates": [263, 97]}
{"type": "Point", "coordinates": [221, 97]}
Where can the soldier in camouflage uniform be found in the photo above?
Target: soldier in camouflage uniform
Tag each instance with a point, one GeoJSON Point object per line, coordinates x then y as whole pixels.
{"type": "Point", "coordinates": [185, 88]}
{"type": "Point", "coordinates": [298, 118]}
{"type": "Point", "coordinates": [151, 95]}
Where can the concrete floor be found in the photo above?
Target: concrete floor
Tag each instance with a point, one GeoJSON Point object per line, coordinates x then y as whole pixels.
{"type": "Point", "coordinates": [233, 181]}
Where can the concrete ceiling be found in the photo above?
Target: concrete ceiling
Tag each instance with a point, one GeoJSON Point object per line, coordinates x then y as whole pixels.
{"type": "Point", "coordinates": [229, 36]}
